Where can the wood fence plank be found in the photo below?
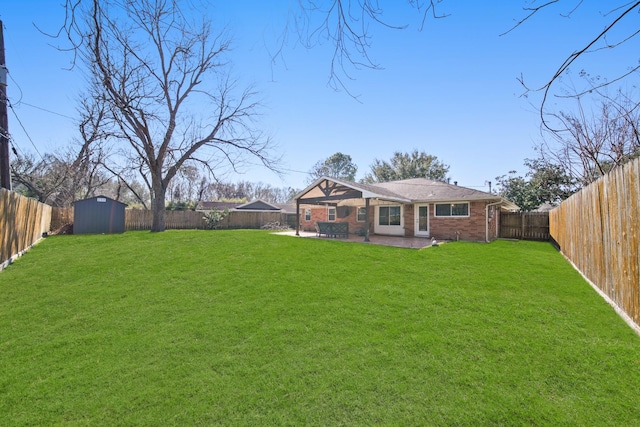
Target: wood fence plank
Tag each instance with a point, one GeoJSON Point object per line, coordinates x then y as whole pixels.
{"type": "Point", "coordinates": [598, 230]}
{"type": "Point", "coordinates": [22, 223]}
{"type": "Point", "coordinates": [179, 220]}
{"type": "Point", "coordinates": [524, 225]}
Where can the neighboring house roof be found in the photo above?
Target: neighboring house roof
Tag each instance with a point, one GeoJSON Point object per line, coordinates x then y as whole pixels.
{"type": "Point", "coordinates": [259, 205]}
{"type": "Point", "coordinates": [545, 207]}
{"type": "Point", "coordinates": [209, 206]}
{"type": "Point", "coordinates": [406, 191]}
{"type": "Point", "coordinates": [256, 205]}
{"type": "Point", "coordinates": [286, 207]}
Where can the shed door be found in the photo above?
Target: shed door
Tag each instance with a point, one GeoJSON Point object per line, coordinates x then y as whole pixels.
{"type": "Point", "coordinates": [421, 219]}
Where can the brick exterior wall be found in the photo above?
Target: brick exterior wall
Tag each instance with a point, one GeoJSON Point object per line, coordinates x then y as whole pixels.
{"type": "Point", "coordinates": [409, 216]}
{"type": "Point", "coordinates": [318, 214]}
{"type": "Point", "coordinates": [471, 228]}
{"type": "Point", "coordinates": [321, 214]}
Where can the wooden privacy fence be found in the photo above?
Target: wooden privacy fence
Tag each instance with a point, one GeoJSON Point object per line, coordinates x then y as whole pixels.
{"type": "Point", "coordinates": [524, 225]}
{"type": "Point", "coordinates": [60, 217]}
{"type": "Point", "coordinates": [256, 219]}
{"type": "Point", "coordinates": [598, 229]}
{"type": "Point", "coordinates": [178, 220]}
{"type": "Point", "coordinates": [22, 223]}
{"type": "Point", "coordinates": [173, 220]}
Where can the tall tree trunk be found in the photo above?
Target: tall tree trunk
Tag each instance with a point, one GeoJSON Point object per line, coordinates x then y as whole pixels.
{"type": "Point", "coordinates": [158, 205]}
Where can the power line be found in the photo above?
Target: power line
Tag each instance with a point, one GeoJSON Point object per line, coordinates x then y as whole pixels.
{"type": "Point", "coordinates": [17, 85]}
{"type": "Point", "coordinates": [21, 102]}
{"type": "Point", "coordinates": [25, 131]}
{"type": "Point", "coordinates": [47, 111]}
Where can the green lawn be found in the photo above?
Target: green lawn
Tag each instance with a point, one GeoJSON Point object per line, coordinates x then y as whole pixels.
{"type": "Point", "coordinates": [249, 328]}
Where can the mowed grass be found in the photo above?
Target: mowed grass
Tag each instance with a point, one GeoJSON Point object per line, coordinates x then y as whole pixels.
{"type": "Point", "coordinates": [250, 328]}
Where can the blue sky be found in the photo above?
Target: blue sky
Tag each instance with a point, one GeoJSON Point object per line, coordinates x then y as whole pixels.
{"type": "Point", "coordinates": [450, 90]}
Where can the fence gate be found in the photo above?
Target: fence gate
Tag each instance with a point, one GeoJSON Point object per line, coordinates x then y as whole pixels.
{"type": "Point", "coordinates": [524, 225]}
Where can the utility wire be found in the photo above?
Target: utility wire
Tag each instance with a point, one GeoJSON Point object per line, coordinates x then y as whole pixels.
{"type": "Point", "coordinates": [17, 85]}
{"type": "Point", "coordinates": [25, 131]}
{"type": "Point", "coordinates": [20, 101]}
{"type": "Point", "coordinates": [48, 111]}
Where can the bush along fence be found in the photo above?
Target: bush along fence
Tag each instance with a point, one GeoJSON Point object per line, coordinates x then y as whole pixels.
{"type": "Point", "coordinates": [180, 220]}
{"type": "Point", "coordinates": [598, 229]}
{"type": "Point", "coordinates": [524, 225]}
{"type": "Point", "coordinates": [23, 222]}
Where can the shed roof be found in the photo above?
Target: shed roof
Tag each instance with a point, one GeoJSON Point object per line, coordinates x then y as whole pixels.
{"type": "Point", "coordinates": [101, 199]}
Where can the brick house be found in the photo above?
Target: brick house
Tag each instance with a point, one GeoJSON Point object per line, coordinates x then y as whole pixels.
{"type": "Point", "coordinates": [410, 207]}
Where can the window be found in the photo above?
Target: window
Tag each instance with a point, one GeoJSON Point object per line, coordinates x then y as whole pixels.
{"type": "Point", "coordinates": [307, 214]}
{"type": "Point", "coordinates": [452, 209]}
{"type": "Point", "coordinates": [362, 214]}
{"type": "Point", "coordinates": [331, 213]}
{"type": "Point", "coordinates": [389, 215]}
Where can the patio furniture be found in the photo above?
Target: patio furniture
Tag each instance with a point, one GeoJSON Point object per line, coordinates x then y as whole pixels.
{"type": "Point", "coordinates": [332, 229]}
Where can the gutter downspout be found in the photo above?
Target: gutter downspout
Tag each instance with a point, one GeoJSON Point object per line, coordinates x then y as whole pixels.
{"type": "Point", "coordinates": [486, 219]}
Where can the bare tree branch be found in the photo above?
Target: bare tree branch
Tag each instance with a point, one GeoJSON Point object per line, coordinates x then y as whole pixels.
{"type": "Point", "coordinates": [154, 68]}
{"type": "Point", "coordinates": [346, 25]}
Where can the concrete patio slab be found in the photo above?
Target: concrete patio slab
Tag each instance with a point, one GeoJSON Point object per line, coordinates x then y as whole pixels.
{"type": "Point", "coordinates": [375, 239]}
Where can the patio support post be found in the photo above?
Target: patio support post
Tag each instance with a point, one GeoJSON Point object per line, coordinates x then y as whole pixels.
{"type": "Point", "coordinates": [366, 219]}
{"type": "Point", "coordinates": [298, 217]}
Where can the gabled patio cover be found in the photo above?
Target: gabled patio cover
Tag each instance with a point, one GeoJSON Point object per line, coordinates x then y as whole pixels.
{"type": "Point", "coordinates": [330, 191]}
{"type": "Point", "coordinates": [326, 190]}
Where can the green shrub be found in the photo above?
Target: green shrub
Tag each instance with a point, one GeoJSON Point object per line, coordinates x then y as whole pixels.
{"type": "Point", "coordinates": [214, 217]}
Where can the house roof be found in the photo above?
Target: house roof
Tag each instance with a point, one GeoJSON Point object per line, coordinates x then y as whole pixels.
{"type": "Point", "coordinates": [545, 207]}
{"type": "Point", "coordinates": [421, 189]}
{"type": "Point", "coordinates": [208, 206]}
{"type": "Point", "coordinates": [256, 205]}
{"type": "Point", "coordinates": [286, 207]}
{"type": "Point", "coordinates": [327, 189]}
{"type": "Point", "coordinates": [412, 190]}
{"type": "Point", "coordinates": [259, 204]}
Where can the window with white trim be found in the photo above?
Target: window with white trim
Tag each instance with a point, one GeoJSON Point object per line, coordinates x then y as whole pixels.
{"type": "Point", "coordinates": [362, 214]}
{"type": "Point", "coordinates": [389, 215]}
{"type": "Point", "coordinates": [307, 214]}
{"type": "Point", "coordinates": [452, 209]}
{"type": "Point", "coordinates": [331, 214]}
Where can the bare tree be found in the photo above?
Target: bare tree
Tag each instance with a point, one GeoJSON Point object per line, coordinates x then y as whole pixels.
{"type": "Point", "coordinates": [165, 80]}
{"type": "Point", "coordinates": [61, 178]}
{"type": "Point", "coordinates": [58, 180]}
{"type": "Point", "coordinates": [589, 144]}
{"type": "Point", "coordinates": [36, 178]}
{"type": "Point", "coordinates": [346, 24]}
{"type": "Point", "coordinates": [611, 35]}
